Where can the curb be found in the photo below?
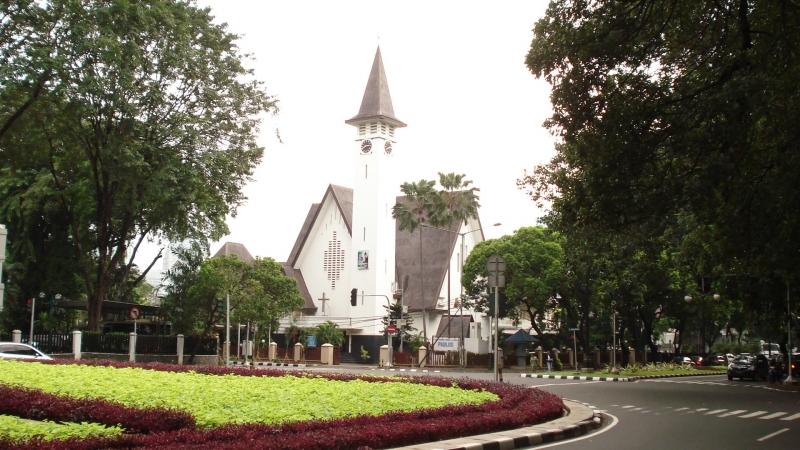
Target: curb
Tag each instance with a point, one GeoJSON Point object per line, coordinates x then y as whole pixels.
{"type": "Point", "coordinates": [269, 364]}
{"type": "Point", "coordinates": [556, 430]}
{"type": "Point", "coordinates": [618, 379]}
{"type": "Point", "coordinates": [407, 370]}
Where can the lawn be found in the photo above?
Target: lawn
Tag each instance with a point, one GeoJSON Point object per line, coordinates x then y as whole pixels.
{"type": "Point", "coordinates": [210, 407]}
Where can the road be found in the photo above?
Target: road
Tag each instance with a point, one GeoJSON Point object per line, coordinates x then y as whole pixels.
{"type": "Point", "coordinates": [693, 412]}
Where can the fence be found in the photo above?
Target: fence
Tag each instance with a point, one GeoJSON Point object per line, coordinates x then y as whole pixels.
{"type": "Point", "coordinates": [157, 345]}
{"type": "Point", "coordinates": [93, 342]}
{"type": "Point", "coordinates": [443, 359]}
{"type": "Point", "coordinates": [208, 345]}
{"type": "Point", "coordinates": [51, 343]}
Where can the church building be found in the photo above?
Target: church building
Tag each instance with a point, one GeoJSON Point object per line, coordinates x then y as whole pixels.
{"type": "Point", "coordinates": [349, 240]}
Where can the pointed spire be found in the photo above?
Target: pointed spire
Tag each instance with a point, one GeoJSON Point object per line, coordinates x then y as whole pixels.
{"type": "Point", "coordinates": [377, 102]}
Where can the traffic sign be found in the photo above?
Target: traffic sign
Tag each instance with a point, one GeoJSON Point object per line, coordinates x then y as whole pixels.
{"type": "Point", "coordinates": [496, 266]}
{"type": "Point", "coordinates": [134, 313]}
{"type": "Point", "coordinates": [574, 329]}
{"type": "Point", "coordinates": [391, 329]}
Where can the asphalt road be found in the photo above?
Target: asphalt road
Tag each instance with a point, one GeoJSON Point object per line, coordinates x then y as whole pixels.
{"type": "Point", "coordinates": [707, 412]}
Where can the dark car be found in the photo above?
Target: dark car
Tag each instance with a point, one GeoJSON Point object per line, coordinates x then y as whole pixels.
{"type": "Point", "coordinates": [681, 360]}
{"type": "Point", "coordinates": [749, 366]}
{"type": "Point", "coordinates": [717, 359]}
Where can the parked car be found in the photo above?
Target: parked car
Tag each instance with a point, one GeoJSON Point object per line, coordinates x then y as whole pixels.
{"type": "Point", "coordinates": [681, 360]}
{"type": "Point", "coordinates": [696, 360]}
{"type": "Point", "coordinates": [717, 359]}
{"type": "Point", "coordinates": [749, 366]}
{"type": "Point", "coordinates": [13, 350]}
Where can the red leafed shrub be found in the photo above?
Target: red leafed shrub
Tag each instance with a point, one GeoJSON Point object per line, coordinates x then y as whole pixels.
{"type": "Point", "coordinates": [518, 406]}
{"type": "Point", "coordinates": [37, 405]}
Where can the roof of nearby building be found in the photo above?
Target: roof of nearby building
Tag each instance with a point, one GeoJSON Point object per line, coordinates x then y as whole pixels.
{"type": "Point", "coordinates": [377, 102]}
{"type": "Point", "coordinates": [233, 248]}
{"type": "Point", "coordinates": [457, 324]}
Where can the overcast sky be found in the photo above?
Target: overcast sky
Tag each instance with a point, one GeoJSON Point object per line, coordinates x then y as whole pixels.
{"type": "Point", "coordinates": [457, 77]}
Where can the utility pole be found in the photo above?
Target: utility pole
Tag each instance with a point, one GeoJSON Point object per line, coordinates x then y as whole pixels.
{"type": "Point", "coordinates": [497, 267]}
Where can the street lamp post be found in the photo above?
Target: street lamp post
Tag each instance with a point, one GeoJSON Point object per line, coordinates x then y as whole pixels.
{"type": "Point", "coordinates": [689, 299]}
{"type": "Point", "coordinates": [789, 379]}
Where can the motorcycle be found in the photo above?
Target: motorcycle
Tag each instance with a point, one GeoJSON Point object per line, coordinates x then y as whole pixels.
{"type": "Point", "coordinates": [775, 373]}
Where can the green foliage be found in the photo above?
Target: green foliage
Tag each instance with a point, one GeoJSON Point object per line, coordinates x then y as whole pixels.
{"type": "Point", "coordinates": [416, 341]}
{"type": "Point", "coordinates": [21, 430]}
{"type": "Point", "coordinates": [219, 400]}
{"type": "Point", "coordinates": [364, 354]}
{"type": "Point", "coordinates": [534, 274]}
{"type": "Point", "coordinates": [558, 365]}
{"type": "Point", "coordinates": [329, 333]}
{"type": "Point", "coordinates": [117, 131]}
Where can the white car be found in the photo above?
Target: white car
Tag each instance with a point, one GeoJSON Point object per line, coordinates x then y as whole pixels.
{"type": "Point", "coordinates": [13, 350]}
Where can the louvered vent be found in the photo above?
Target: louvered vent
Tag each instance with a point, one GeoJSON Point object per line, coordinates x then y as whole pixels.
{"type": "Point", "coordinates": [333, 260]}
{"type": "Point", "coordinates": [362, 129]}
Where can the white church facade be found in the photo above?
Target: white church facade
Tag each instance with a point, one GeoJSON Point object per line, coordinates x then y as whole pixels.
{"type": "Point", "coordinates": [349, 240]}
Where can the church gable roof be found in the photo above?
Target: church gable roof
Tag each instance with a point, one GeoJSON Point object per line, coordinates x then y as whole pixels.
{"type": "Point", "coordinates": [309, 307]}
{"type": "Point", "coordinates": [343, 197]}
{"type": "Point", "coordinates": [377, 102]}
{"type": "Point", "coordinates": [458, 324]}
{"type": "Point", "coordinates": [233, 248]}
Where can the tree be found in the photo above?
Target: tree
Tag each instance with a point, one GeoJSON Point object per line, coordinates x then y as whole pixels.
{"type": "Point", "coordinates": [272, 295]}
{"type": "Point", "coordinates": [139, 123]}
{"type": "Point", "coordinates": [417, 209]}
{"type": "Point", "coordinates": [534, 273]}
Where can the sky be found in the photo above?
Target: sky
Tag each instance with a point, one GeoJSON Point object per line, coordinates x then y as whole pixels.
{"type": "Point", "coordinates": [457, 76]}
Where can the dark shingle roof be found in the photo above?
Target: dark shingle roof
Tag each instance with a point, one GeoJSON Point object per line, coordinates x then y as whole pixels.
{"type": "Point", "coordinates": [437, 248]}
{"type": "Point", "coordinates": [233, 248]}
{"type": "Point", "coordinates": [455, 331]}
{"type": "Point", "coordinates": [301, 237]}
{"type": "Point", "coordinates": [289, 271]}
{"type": "Point", "coordinates": [377, 102]}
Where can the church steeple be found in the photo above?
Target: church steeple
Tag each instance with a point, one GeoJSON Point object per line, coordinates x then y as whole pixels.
{"type": "Point", "coordinates": [377, 102]}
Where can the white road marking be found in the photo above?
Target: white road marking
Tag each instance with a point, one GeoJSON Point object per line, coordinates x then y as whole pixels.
{"type": "Point", "coordinates": [733, 413]}
{"type": "Point", "coordinates": [772, 416]}
{"type": "Point", "coordinates": [614, 422]}
{"type": "Point", "coordinates": [681, 409]}
{"type": "Point", "coordinates": [772, 435]}
{"type": "Point", "coordinates": [755, 414]}
{"type": "Point", "coordinates": [637, 409]}
{"type": "Point", "coordinates": [701, 409]}
{"type": "Point", "coordinates": [626, 407]}
{"type": "Point", "coordinates": [716, 411]}
{"type": "Point", "coordinates": [792, 417]}
{"type": "Point", "coordinates": [563, 384]}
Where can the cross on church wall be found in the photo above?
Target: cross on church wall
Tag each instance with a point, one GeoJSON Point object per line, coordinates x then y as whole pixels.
{"type": "Point", "coordinates": [323, 300]}
{"type": "Point", "coordinates": [333, 260]}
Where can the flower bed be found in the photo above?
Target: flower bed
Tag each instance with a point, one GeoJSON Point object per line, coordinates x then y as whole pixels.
{"type": "Point", "coordinates": [14, 428]}
{"type": "Point", "coordinates": [515, 406]}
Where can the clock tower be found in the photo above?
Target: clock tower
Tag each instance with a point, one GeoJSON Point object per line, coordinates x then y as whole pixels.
{"type": "Point", "coordinates": [372, 261]}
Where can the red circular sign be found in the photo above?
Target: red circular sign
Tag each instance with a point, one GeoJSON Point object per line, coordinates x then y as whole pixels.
{"type": "Point", "coordinates": [134, 313]}
{"type": "Point", "coordinates": [391, 329]}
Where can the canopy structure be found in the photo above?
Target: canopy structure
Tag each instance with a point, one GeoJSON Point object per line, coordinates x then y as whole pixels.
{"type": "Point", "coordinates": [521, 337]}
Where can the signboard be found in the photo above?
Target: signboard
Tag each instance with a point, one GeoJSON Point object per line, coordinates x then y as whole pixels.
{"type": "Point", "coordinates": [574, 329]}
{"type": "Point", "coordinates": [311, 341]}
{"type": "Point", "coordinates": [363, 259]}
{"type": "Point", "coordinates": [391, 329]}
{"type": "Point", "coordinates": [446, 345]}
{"type": "Point", "coordinates": [134, 313]}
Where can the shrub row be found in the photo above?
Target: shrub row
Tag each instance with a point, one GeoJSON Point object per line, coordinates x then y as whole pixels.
{"type": "Point", "coordinates": [37, 405]}
{"type": "Point", "coordinates": [518, 406]}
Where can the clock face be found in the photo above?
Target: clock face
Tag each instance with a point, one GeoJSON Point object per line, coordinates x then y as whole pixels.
{"type": "Point", "coordinates": [387, 148]}
{"type": "Point", "coordinates": [366, 146]}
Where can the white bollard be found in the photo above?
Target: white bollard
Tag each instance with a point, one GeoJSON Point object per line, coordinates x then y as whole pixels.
{"type": "Point", "coordinates": [132, 347]}
{"type": "Point", "coordinates": [180, 349]}
{"type": "Point", "coordinates": [76, 344]}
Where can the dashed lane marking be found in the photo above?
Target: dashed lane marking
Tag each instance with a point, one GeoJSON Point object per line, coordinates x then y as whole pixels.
{"type": "Point", "coordinates": [733, 413]}
{"type": "Point", "coordinates": [792, 417]}
{"type": "Point", "coordinates": [772, 435]}
{"type": "Point", "coordinates": [772, 416]}
{"type": "Point", "coordinates": [754, 414]}
{"type": "Point", "coordinates": [716, 411]}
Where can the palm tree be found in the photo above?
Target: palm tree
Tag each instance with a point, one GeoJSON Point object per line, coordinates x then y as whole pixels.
{"type": "Point", "coordinates": [458, 203]}
{"type": "Point", "coordinates": [418, 208]}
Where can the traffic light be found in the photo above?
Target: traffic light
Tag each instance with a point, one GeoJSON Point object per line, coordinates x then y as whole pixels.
{"type": "Point", "coordinates": [353, 295]}
{"type": "Point", "coordinates": [29, 303]}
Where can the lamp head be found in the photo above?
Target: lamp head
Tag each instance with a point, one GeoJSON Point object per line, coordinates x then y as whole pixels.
{"type": "Point", "coordinates": [688, 298]}
{"type": "Point", "coordinates": [717, 297]}
{"type": "Point", "coordinates": [41, 294]}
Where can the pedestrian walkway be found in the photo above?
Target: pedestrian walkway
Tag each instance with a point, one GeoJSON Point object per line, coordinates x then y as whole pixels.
{"type": "Point", "coordinates": [721, 413]}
